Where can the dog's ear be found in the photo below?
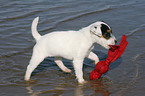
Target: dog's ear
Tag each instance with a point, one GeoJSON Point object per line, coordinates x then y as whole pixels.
{"type": "Point", "coordinates": [96, 30]}
{"type": "Point", "coordinates": [103, 21]}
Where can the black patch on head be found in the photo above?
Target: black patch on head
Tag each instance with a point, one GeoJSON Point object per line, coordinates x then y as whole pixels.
{"type": "Point", "coordinates": [106, 31]}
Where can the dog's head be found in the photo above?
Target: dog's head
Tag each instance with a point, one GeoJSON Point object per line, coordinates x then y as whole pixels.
{"type": "Point", "coordinates": [102, 34]}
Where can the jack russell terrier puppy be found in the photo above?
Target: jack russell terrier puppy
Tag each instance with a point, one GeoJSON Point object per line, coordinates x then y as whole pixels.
{"type": "Point", "coordinates": [72, 45]}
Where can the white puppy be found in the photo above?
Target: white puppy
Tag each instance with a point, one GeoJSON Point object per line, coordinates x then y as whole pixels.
{"type": "Point", "coordinates": [72, 45]}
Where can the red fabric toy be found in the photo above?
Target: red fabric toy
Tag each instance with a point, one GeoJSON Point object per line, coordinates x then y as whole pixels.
{"type": "Point", "coordinates": [114, 53]}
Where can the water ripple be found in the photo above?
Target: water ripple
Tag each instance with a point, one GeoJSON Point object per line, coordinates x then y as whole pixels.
{"type": "Point", "coordinates": [136, 30]}
{"type": "Point", "coordinates": [16, 45]}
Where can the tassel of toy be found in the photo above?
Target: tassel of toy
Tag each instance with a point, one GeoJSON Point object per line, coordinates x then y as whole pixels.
{"type": "Point", "coordinates": [114, 53]}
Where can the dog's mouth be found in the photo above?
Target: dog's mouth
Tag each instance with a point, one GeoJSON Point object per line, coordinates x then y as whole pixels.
{"type": "Point", "coordinates": [110, 46]}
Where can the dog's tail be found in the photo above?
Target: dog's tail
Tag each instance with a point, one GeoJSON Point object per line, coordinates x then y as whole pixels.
{"type": "Point", "coordinates": [35, 33]}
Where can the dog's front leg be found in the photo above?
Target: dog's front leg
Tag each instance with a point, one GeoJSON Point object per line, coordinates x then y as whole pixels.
{"type": "Point", "coordinates": [94, 57]}
{"type": "Point", "coordinates": [78, 66]}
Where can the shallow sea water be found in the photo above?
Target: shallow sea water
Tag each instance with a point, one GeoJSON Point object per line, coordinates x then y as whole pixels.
{"type": "Point", "coordinates": [126, 76]}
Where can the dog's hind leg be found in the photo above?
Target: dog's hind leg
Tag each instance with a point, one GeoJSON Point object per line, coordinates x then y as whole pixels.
{"type": "Point", "coordinates": [36, 59]}
{"type": "Point", "coordinates": [58, 61]}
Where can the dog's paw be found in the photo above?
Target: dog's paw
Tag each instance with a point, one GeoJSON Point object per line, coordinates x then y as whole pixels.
{"type": "Point", "coordinates": [66, 70]}
{"type": "Point", "coordinates": [27, 79]}
{"type": "Point", "coordinates": [82, 81]}
{"type": "Point", "coordinates": [96, 61]}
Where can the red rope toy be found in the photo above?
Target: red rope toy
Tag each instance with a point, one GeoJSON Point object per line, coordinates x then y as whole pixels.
{"type": "Point", "coordinates": [114, 53]}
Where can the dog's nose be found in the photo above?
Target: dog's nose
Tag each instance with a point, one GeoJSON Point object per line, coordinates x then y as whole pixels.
{"type": "Point", "coordinates": [115, 41]}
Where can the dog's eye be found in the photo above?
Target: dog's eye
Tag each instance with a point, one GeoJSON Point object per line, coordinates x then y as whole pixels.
{"type": "Point", "coordinates": [95, 27]}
